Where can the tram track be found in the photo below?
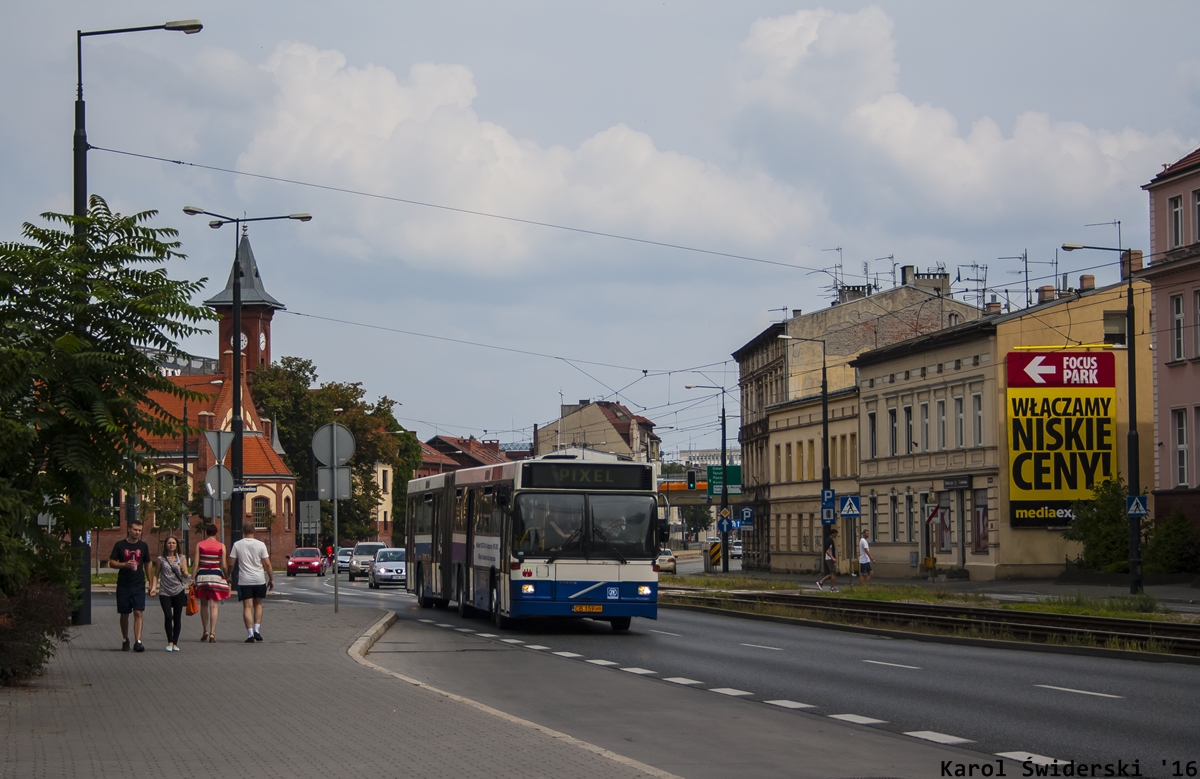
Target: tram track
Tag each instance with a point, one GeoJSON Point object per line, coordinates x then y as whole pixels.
{"type": "Point", "coordinates": [1038, 627]}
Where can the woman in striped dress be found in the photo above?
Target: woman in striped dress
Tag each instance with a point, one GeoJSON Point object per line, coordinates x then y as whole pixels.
{"type": "Point", "coordinates": [210, 564]}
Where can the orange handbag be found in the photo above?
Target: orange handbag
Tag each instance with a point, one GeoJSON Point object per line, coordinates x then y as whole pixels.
{"type": "Point", "coordinates": [192, 605]}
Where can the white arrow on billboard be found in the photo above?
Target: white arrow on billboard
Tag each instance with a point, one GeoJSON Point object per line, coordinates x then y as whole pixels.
{"type": "Point", "coordinates": [1035, 370]}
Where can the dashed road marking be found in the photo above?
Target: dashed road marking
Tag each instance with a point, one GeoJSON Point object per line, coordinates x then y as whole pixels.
{"type": "Point", "coordinates": [1023, 757]}
{"type": "Point", "coordinates": [443, 624]}
{"type": "Point", "coordinates": [760, 646]}
{"type": "Point", "coordinates": [464, 630]}
{"type": "Point", "coordinates": [602, 662]}
{"type": "Point", "coordinates": [512, 641]}
{"type": "Point", "coordinates": [536, 646]}
{"type": "Point", "coordinates": [791, 705]}
{"type": "Point", "coordinates": [567, 654]}
{"type": "Point", "coordinates": [858, 719]}
{"type": "Point", "coordinates": [682, 680]}
{"type": "Point", "coordinates": [426, 621]}
{"type": "Point", "coordinates": [893, 665]}
{"type": "Point", "coordinates": [730, 691]}
{"type": "Point", "coordinates": [486, 635]}
{"type": "Point", "coordinates": [941, 738]}
{"type": "Point", "coordinates": [1080, 692]}
{"type": "Point", "coordinates": [665, 633]}
{"type": "Point", "coordinates": [639, 671]}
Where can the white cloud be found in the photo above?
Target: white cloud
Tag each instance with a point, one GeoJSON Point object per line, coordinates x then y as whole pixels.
{"type": "Point", "coordinates": [420, 138]}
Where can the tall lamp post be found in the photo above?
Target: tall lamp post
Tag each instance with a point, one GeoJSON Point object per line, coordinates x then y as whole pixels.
{"type": "Point", "coordinates": [724, 477]}
{"type": "Point", "coordinates": [1131, 440]}
{"type": "Point", "coordinates": [83, 614]}
{"type": "Point", "coordinates": [825, 485]}
{"type": "Point", "coordinates": [237, 503]}
{"type": "Point", "coordinates": [187, 26]}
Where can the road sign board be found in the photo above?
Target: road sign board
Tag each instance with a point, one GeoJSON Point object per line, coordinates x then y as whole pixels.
{"type": "Point", "coordinates": [219, 482]}
{"type": "Point", "coordinates": [724, 513]}
{"type": "Point", "coordinates": [1135, 506]}
{"type": "Point", "coordinates": [828, 499]}
{"type": "Point", "coordinates": [747, 514]}
{"type": "Point", "coordinates": [219, 441]}
{"type": "Point", "coordinates": [714, 480]}
{"type": "Point", "coordinates": [827, 517]}
{"type": "Point", "coordinates": [212, 507]}
{"type": "Point", "coordinates": [326, 437]}
{"type": "Point", "coordinates": [325, 483]}
{"type": "Point", "coordinates": [850, 506]}
{"type": "Point", "coordinates": [310, 517]}
{"type": "Point", "coordinates": [245, 488]}
{"type": "Point", "coordinates": [724, 525]}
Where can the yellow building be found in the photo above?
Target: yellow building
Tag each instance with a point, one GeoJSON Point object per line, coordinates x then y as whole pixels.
{"type": "Point", "coordinates": [934, 435]}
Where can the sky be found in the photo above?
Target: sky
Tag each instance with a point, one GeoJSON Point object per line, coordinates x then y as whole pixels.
{"type": "Point", "coordinates": [525, 202]}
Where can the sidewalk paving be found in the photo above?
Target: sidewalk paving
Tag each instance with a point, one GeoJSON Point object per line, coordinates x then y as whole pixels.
{"type": "Point", "coordinates": [296, 705]}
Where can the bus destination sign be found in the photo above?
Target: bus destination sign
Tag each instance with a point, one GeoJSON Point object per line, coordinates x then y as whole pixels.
{"type": "Point", "coordinates": [586, 476]}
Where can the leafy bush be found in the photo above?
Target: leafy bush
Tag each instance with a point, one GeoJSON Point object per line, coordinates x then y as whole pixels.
{"type": "Point", "coordinates": [1101, 525]}
{"type": "Point", "coordinates": [1175, 545]}
{"type": "Point", "coordinates": [31, 622]}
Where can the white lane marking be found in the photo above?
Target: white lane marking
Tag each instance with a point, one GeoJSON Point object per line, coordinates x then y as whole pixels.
{"type": "Point", "coordinates": [1022, 757]}
{"type": "Point", "coordinates": [665, 633]}
{"type": "Point", "coordinates": [893, 665]}
{"type": "Point", "coordinates": [858, 719]}
{"type": "Point", "coordinates": [760, 646]}
{"type": "Point", "coordinates": [682, 680]}
{"type": "Point", "coordinates": [426, 621]}
{"type": "Point", "coordinates": [602, 662]}
{"type": "Point", "coordinates": [512, 641]}
{"type": "Point", "coordinates": [729, 691]}
{"type": "Point", "coordinates": [1081, 692]}
{"type": "Point", "coordinates": [791, 704]}
{"type": "Point", "coordinates": [536, 646]}
{"type": "Point", "coordinates": [464, 630]}
{"type": "Point", "coordinates": [941, 738]}
{"type": "Point", "coordinates": [486, 635]}
{"type": "Point", "coordinates": [567, 654]}
{"type": "Point", "coordinates": [639, 671]}
{"type": "Point", "coordinates": [443, 624]}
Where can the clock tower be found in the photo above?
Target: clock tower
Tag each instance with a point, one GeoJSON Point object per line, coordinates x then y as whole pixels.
{"type": "Point", "coordinates": [258, 308]}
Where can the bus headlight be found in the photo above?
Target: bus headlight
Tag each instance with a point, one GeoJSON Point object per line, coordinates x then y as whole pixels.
{"type": "Point", "coordinates": [643, 590]}
{"type": "Point", "coordinates": [527, 589]}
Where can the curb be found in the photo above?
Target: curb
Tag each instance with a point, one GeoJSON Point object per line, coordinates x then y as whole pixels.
{"type": "Point", "coordinates": [358, 650]}
{"type": "Point", "coordinates": [987, 643]}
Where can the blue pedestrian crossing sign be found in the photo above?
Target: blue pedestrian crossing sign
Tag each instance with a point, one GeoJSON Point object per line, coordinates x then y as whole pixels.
{"type": "Point", "coordinates": [1135, 506]}
{"type": "Point", "coordinates": [850, 506]}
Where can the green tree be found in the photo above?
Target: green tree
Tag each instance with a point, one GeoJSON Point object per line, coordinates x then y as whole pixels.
{"type": "Point", "coordinates": [1174, 546]}
{"type": "Point", "coordinates": [1101, 526]}
{"type": "Point", "coordinates": [78, 315]}
{"type": "Point", "coordinates": [672, 469]}
{"type": "Point", "coordinates": [696, 519]}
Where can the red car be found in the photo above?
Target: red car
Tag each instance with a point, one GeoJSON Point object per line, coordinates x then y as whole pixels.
{"type": "Point", "coordinates": [307, 560]}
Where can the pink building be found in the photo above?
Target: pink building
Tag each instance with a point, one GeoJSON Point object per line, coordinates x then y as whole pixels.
{"type": "Point", "coordinates": [1174, 273]}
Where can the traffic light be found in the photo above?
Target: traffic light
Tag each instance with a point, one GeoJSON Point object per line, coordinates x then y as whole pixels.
{"type": "Point", "coordinates": [691, 476]}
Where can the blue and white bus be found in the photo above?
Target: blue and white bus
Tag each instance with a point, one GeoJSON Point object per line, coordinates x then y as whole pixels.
{"type": "Point", "coordinates": [555, 536]}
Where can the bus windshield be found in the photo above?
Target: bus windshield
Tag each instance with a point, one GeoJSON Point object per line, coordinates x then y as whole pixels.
{"type": "Point", "coordinates": [592, 526]}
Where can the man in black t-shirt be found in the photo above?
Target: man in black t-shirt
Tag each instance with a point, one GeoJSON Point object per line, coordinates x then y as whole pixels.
{"type": "Point", "coordinates": [130, 556]}
{"type": "Point", "coordinates": [830, 563]}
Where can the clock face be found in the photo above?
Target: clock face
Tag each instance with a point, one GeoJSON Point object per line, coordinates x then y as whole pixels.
{"type": "Point", "coordinates": [245, 341]}
{"type": "Point", "coordinates": [262, 341]}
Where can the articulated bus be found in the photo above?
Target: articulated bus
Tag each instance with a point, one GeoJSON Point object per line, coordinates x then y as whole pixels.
{"type": "Point", "coordinates": [555, 536]}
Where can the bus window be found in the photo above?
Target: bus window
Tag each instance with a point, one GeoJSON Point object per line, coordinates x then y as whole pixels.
{"type": "Point", "coordinates": [548, 524]}
{"type": "Point", "coordinates": [626, 523]}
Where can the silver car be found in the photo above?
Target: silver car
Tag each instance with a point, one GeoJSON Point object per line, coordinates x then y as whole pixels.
{"type": "Point", "coordinates": [364, 555]}
{"type": "Point", "coordinates": [390, 568]}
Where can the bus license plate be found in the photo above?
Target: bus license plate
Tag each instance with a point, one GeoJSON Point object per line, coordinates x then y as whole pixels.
{"type": "Point", "coordinates": [589, 609]}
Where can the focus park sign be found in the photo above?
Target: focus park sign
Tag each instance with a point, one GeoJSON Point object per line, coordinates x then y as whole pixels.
{"type": "Point", "coordinates": [1061, 432]}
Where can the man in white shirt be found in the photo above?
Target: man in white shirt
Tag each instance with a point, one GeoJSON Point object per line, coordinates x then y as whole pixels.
{"type": "Point", "coordinates": [254, 576]}
{"type": "Point", "coordinates": [865, 558]}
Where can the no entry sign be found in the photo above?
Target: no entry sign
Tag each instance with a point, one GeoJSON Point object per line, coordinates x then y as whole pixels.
{"type": "Point", "coordinates": [1062, 419]}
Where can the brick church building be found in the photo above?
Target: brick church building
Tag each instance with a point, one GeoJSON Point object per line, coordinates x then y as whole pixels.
{"type": "Point", "coordinates": [273, 505]}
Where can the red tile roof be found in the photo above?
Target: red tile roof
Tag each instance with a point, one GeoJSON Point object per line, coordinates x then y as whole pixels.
{"type": "Point", "coordinates": [1184, 163]}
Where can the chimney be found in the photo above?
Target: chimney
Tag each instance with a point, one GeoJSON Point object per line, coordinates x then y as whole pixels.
{"type": "Point", "coordinates": [907, 272]}
{"type": "Point", "coordinates": [796, 313]}
{"type": "Point", "coordinates": [1126, 256]}
{"type": "Point", "coordinates": [993, 307]}
{"type": "Point", "coordinates": [848, 293]}
{"type": "Point", "coordinates": [1087, 282]}
{"type": "Point", "coordinates": [1046, 293]}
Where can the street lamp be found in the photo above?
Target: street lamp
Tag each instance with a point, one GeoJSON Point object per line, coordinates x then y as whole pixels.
{"type": "Point", "coordinates": [825, 485]}
{"type": "Point", "coordinates": [724, 477]}
{"type": "Point", "coordinates": [237, 503]}
{"type": "Point", "coordinates": [186, 26]}
{"type": "Point", "coordinates": [1131, 440]}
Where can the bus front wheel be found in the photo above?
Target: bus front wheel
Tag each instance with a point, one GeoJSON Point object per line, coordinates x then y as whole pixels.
{"type": "Point", "coordinates": [621, 623]}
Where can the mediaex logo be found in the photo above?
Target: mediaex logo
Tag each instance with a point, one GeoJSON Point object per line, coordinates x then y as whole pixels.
{"type": "Point", "coordinates": [1061, 409]}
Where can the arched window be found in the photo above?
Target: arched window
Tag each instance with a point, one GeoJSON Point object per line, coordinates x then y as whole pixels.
{"type": "Point", "coordinates": [287, 513]}
{"type": "Point", "coordinates": [262, 513]}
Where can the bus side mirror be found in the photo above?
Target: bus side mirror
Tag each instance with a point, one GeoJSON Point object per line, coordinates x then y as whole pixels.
{"type": "Point", "coordinates": [502, 496]}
